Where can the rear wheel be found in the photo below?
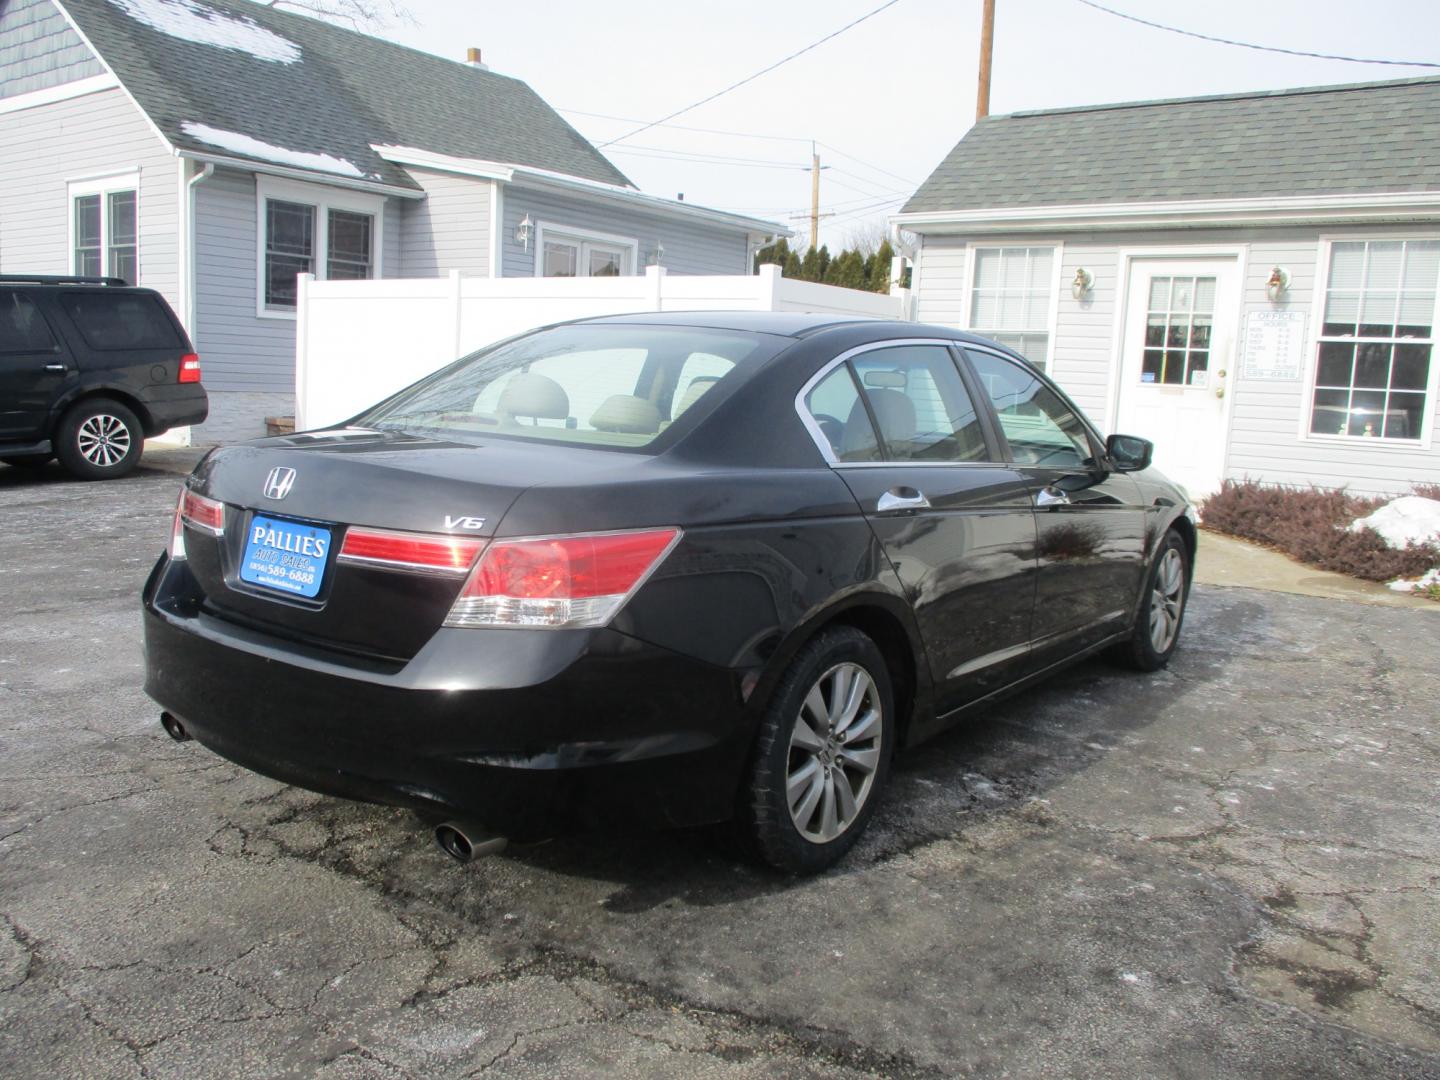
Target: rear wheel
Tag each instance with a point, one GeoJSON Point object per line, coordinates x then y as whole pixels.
{"type": "Point", "coordinates": [99, 439]}
{"type": "Point", "coordinates": [1162, 609]}
{"type": "Point", "coordinates": [823, 755]}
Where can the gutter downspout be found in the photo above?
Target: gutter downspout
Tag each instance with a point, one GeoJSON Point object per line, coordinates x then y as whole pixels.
{"type": "Point", "coordinates": [188, 315]}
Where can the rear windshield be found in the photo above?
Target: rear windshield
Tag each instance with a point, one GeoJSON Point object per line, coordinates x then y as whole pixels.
{"type": "Point", "coordinates": [609, 386]}
{"type": "Point", "coordinates": [116, 320]}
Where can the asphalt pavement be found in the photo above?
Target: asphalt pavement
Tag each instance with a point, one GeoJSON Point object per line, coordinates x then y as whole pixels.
{"type": "Point", "coordinates": [1230, 868]}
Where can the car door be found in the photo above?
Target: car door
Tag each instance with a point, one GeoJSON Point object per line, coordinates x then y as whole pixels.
{"type": "Point", "coordinates": [33, 369]}
{"type": "Point", "coordinates": [956, 524]}
{"type": "Point", "coordinates": [1089, 518]}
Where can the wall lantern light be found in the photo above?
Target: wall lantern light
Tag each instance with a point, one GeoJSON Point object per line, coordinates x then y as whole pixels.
{"type": "Point", "coordinates": [1081, 285]}
{"type": "Point", "coordinates": [1278, 283]}
{"type": "Point", "coordinates": [522, 232]}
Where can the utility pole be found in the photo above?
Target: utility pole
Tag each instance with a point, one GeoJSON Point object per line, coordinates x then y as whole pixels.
{"type": "Point", "coordinates": [987, 48]}
{"type": "Point", "coordinates": [815, 194]}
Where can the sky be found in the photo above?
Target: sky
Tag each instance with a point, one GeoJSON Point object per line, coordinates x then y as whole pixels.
{"type": "Point", "coordinates": [887, 100]}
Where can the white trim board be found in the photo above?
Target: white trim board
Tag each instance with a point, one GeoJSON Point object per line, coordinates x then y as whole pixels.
{"type": "Point", "coordinates": [64, 92]}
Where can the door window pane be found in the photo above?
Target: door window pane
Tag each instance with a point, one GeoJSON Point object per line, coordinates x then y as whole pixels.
{"type": "Point", "coordinates": [561, 260]}
{"type": "Point", "coordinates": [920, 404]}
{"type": "Point", "coordinates": [1040, 427]}
{"type": "Point", "coordinates": [1372, 369]}
{"type": "Point", "coordinates": [835, 406]}
{"type": "Point", "coordinates": [349, 257]}
{"type": "Point", "coordinates": [1177, 330]}
{"type": "Point", "coordinates": [289, 250]}
{"type": "Point", "coordinates": [22, 327]}
{"type": "Point", "coordinates": [87, 236]}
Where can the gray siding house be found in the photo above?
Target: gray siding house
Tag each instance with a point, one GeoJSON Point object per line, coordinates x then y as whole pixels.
{"type": "Point", "coordinates": [1249, 280]}
{"type": "Point", "coordinates": [213, 149]}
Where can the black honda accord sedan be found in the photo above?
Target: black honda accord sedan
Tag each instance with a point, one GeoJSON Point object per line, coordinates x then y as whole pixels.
{"type": "Point", "coordinates": [664, 569]}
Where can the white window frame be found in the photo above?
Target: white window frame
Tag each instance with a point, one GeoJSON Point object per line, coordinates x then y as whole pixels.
{"type": "Point", "coordinates": [1052, 314]}
{"type": "Point", "coordinates": [323, 199]}
{"type": "Point", "coordinates": [1319, 295]}
{"type": "Point", "coordinates": [104, 186]}
{"type": "Point", "coordinates": [585, 238]}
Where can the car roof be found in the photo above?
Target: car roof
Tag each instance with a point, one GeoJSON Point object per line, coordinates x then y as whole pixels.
{"type": "Point", "coordinates": [783, 323]}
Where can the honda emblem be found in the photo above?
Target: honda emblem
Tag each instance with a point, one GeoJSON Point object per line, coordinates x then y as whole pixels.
{"type": "Point", "coordinates": [279, 482]}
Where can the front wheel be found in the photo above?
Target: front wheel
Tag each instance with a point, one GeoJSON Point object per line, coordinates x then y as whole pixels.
{"type": "Point", "coordinates": [99, 439]}
{"type": "Point", "coordinates": [822, 756]}
{"type": "Point", "coordinates": [1162, 608]}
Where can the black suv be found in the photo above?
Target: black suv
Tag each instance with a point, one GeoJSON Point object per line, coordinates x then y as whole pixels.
{"type": "Point", "coordinates": [89, 369]}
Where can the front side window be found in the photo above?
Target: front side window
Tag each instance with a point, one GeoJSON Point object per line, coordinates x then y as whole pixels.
{"type": "Point", "coordinates": [563, 254]}
{"type": "Point", "coordinates": [1039, 426]}
{"type": "Point", "coordinates": [308, 238]}
{"type": "Point", "coordinates": [1372, 373]}
{"type": "Point", "coordinates": [1010, 299]}
{"type": "Point", "coordinates": [107, 235]}
{"type": "Point", "coordinates": [605, 386]}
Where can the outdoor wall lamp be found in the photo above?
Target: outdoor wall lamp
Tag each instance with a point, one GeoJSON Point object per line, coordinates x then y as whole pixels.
{"type": "Point", "coordinates": [1081, 285]}
{"type": "Point", "coordinates": [1278, 282]}
{"type": "Point", "coordinates": [522, 232]}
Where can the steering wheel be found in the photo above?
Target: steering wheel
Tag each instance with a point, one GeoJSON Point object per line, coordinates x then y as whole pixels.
{"type": "Point", "coordinates": [831, 428]}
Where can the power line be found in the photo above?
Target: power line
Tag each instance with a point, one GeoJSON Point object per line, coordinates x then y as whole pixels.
{"type": "Point", "coordinates": [1252, 45]}
{"type": "Point", "coordinates": [751, 78]}
{"type": "Point", "coordinates": [723, 159]}
{"type": "Point", "coordinates": [868, 165]}
{"type": "Point", "coordinates": [693, 160]}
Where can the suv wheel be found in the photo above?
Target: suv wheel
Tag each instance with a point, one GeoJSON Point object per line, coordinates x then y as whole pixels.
{"type": "Point", "coordinates": [822, 756]}
{"type": "Point", "coordinates": [99, 439]}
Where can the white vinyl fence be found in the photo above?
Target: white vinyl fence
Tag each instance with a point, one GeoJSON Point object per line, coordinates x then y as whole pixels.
{"type": "Point", "coordinates": [357, 342]}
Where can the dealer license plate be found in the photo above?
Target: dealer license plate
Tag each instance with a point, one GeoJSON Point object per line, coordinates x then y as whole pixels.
{"type": "Point", "coordinates": [287, 556]}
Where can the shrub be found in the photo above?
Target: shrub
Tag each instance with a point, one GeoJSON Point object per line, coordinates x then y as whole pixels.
{"type": "Point", "coordinates": [1312, 525]}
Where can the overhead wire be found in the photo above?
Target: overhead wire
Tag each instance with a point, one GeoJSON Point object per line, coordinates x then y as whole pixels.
{"type": "Point", "coordinates": [751, 78]}
{"type": "Point", "coordinates": [1251, 45]}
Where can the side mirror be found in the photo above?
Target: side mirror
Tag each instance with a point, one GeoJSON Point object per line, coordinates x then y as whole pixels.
{"type": "Point", "coordinates": [1129, 453]}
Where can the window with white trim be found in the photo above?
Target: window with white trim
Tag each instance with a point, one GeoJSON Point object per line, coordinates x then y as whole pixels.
{"type": "Point", "coordinates": [105, 229]}
{"type": "Point", "coordinates": [1011, 293]}
{"type": "Point", "coordinates": [570, 253]}
{"type": "Point", "coordinates": [1372, 369]}
{"type": "Point", "coordinates": [308, 230]}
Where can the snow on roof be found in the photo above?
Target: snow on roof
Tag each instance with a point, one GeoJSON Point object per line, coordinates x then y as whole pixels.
{"type": "Point", "coordinates": [254, 148]}
{"type": "Point", "coordinates": [191, 20]}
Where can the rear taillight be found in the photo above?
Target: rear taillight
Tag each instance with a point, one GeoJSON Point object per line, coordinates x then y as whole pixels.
{"type": "Point", "coordinates": [189, 368]}
{"type": "Point", "coordinates": [559, 582]}
{"type": "Point", "coordinates": [420, 552]}
{"type": "Point", "coordinates": [204, 514]}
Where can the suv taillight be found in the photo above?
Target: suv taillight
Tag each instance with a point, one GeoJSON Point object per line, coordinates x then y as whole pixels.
{"type": "Point", "coordinates": [189, 368]}
{"type": "Point", "coordinates": [559, 582]}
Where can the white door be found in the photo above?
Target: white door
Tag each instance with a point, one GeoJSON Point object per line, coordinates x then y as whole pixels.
{"type": "Point", "coordinates": [1177, 364]}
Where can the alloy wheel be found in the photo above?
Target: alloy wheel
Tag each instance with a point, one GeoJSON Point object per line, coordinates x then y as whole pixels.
{"type": "Point", "coordinates": [1167, 600]}
{"type": "Point", "coordinates": [835, 748]}
{"type": "Point", "coordinates": [103, 440]}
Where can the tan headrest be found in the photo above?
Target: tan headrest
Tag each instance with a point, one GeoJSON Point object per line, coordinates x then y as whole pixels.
{"type": "Point", "coordinates": [626, 413]}
{"type": "Point", "coordinates": [529, 394]}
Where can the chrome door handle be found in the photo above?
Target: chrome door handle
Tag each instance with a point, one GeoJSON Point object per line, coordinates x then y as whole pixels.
{"type": "Point", "coordinates": [1051, 496]}
{"type": "Point", "coordinates": [54, 367]}
{"type": "Point", "coordinates": [900, 499]}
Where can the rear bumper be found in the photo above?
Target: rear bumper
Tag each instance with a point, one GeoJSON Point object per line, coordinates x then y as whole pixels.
{"type": "Point", "coordinates": [533, 733]}
{"type": "Point", "coordinates": [175, 406]}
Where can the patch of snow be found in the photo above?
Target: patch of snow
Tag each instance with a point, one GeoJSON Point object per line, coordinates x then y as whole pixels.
{"type": "Point", "coordinates": [191, 20]}
{"type": "Point", "coordinates": [1409, 519]}
{"type": "Point", "coordinates": [252, 147]}
{"type": "Point", "coordinates": [1425, 580]}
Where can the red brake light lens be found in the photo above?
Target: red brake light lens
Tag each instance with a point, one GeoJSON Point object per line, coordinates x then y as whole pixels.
{"type": "Point", "coordinates": [205, 514]}
{"type": "Point", "coordinates": [421, 552]}
{"type": "Point", "coordinates": [563, 581]}
{"type": "Point", "coordinates": [189, 368]}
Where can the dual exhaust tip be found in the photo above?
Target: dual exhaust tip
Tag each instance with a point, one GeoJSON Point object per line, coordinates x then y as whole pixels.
{"type": "Point", "coordinates": [461, 840]}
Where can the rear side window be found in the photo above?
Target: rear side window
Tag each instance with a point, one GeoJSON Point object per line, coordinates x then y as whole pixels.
{"type": "Point", "coordinates": [22, 327]}
{"type": "Point", "coordinates": [113, 320]}
{"type": "Point", "coordinates": [1040, 427]}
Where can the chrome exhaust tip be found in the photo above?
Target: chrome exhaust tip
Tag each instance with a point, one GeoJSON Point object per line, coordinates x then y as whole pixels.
{"type": "Point", "coordinates": [465, 840]}
{"type": "Point", "coordinates": [174, 728]}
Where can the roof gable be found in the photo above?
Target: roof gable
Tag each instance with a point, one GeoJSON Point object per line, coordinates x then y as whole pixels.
{"type": "Point", "coordinates": [233, 78]}
{"type": "Point", "coordinates": [1332, 140]}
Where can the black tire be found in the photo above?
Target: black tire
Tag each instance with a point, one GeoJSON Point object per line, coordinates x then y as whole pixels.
{"type": "Point", "coordinates": [99, 439]}
{"type": "Point", "coordinates": [34, 461]}
{"type": "Point", "coordinates": [765, 825]}
{"type": "Point", "coordinates": [1148, 649]}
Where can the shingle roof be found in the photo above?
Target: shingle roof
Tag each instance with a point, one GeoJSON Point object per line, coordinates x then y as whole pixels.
{"type": "Point", "coordinates": [323, 90]}
{"type": "Point", "coordinates": [1324, 140]}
